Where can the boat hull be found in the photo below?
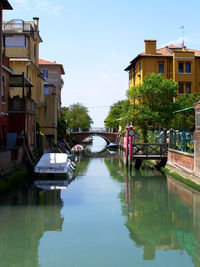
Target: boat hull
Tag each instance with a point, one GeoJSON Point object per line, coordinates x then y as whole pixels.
{"type": "Point", "coordinates": [54, 164]}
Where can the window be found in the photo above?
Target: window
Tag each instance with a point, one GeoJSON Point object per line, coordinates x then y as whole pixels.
{"type": "Point", "coordinates": [139, 67]}
{"type": "Point", "coordinates": [188, 67]}
{"type": "Point", "coordinates": [45, 74]}
{"type": "Point", "coordinates": [181, 88]}
{"type": "Point", "coordinates": [180, 67]}
{"type": "Point", "coordinates": [46, 90]}
{"type": "Point", "coordinates": [16, 41]}
{"type": "Point", "coordinates": [188, 88]}
{"type": "Point", "coordinates": [161, 68]}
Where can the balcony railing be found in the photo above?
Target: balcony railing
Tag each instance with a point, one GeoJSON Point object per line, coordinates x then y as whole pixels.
{"type": "Point", "coordinates": [18, 26]}
{"type": "Point", "coordinates": [21, 104]}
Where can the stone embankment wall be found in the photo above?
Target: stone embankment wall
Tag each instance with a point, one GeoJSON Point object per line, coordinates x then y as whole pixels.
{"type": "Point", "coordinates": [10, 159]}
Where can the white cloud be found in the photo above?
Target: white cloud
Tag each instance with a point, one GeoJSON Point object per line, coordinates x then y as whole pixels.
{"type": "Point", "coordinates": [47, 6]}
{"type": "Point", "coordinates": [191, 39]}
{"type": "Point", "coordinates": [21, 2]}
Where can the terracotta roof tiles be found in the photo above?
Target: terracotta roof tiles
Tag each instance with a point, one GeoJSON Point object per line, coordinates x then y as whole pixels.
{"type": "Point", "coordinates": [166, 51]}
{"type": "Point", "coordinates": [45, 62]}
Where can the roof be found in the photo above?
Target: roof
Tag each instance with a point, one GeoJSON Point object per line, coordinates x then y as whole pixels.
{"type": "Point", "coordinates": [6, 5]}
{"type": "Point", "coordinates": [182, 110]}
{"type": "Point", "coordinates": [50, 63]}
{"type": "Point", "coordinates": [166, 51]}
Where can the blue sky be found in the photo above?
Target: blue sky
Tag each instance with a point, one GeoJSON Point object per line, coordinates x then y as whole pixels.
{"type": "Point", "coordinates": [95, 40]}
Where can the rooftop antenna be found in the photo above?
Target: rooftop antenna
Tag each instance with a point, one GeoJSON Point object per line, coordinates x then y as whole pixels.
{"type": "Point", "coordinates": [183, 31]}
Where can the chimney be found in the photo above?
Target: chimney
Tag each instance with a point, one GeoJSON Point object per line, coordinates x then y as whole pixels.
{"type": "Point", "coordinates": [36, 22]}
{"type": "Point", "coordinates": [150, 46]}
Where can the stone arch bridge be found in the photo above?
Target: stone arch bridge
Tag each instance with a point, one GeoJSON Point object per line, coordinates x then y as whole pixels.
{"type": "Point", "coordinates": [78, 137]}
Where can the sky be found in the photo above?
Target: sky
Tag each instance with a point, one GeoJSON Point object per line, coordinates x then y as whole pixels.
{"type": "Point", "coordinates": [95, 41]}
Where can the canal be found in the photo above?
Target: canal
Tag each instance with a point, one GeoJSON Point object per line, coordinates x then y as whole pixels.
{"type": "Point", "coordinates": [106, 217]}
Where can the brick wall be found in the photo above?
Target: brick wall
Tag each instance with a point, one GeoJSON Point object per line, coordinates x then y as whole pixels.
{"type": "Point", "coordinates": [182, 159]}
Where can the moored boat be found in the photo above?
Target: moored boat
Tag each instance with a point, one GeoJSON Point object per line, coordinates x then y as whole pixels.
{"type": "Point", "coordinates": [112, 146]}
{"type": "Point", "coordinates": [77, 149]}
{"type": "Point", "coordinates": [54, 163]}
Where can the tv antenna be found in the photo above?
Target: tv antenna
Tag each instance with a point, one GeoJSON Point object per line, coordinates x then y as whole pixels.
{"type": "Point", "coordinates": [183, 32]}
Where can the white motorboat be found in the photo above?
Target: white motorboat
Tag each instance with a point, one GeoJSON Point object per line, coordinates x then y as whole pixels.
{"type": "Point", "coordinates": [54, 163]}
{"type": "Point", "coordinates": [51, 184]}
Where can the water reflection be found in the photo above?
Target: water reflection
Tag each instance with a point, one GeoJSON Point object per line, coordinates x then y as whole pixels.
{"type": "Point", "coordinates": [108, 216]}
{"type": "Point", "coordinates": [161, 213]}
{"type": "Point", "coordinates": [24, 218]}
{"type": "Point", "coordinates": [98, 145]}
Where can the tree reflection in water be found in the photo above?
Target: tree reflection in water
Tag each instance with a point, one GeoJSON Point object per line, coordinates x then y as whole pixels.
{"type": "Point", "coordinates": [161, 213]}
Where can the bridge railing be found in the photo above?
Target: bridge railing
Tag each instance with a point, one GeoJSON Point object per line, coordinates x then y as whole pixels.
{"type": "Point", "coordinates": [92, 130]}
{"type": "Point", "coordinates": [149, 150]}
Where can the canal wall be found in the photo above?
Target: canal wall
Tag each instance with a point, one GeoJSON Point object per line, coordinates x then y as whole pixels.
{"type": "Point", "coordinates": [186, 164]}
{"type": "Point", "coordinates": [10, 159]}
{"type": "Point", "coordinates": [182, 159]}
{"type": "Point", "coordinates": [191, 198]}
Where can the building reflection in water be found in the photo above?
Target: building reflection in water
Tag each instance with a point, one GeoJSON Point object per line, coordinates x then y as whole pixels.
{"type": "Point", "coordinates": [24, 218]}
{"type": "Point", "coordinates": [161, 213]}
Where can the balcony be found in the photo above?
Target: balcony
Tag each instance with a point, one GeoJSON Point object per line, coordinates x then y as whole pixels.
{"type": "Point", "coordinates": [18, 26]}
{"type": "Point", "coordinates": [17, 104]}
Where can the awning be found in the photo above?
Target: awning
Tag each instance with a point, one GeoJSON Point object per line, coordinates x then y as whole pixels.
{"type": "Point", "coordinates": [18, 80]}
{"type": "Point", "coordinates": [182, 110]}
{"type": "Point", "coordinates": [6, 5]}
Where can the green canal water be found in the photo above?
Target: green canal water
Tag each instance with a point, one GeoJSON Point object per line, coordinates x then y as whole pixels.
{"type": "Point", "coordinates": [106, 217]}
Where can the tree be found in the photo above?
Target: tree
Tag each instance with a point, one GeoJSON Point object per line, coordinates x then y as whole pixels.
{"type": "Point", "coordinates": [116, 114]}
{"type": "Point", "coordinates": [77, 116]}
{"type": "Point", "coordinates": [185, 120]}
{"type": "Point", "coordinates": [153, 102]}
{"type": "Point", "coordinates": [61, 126]}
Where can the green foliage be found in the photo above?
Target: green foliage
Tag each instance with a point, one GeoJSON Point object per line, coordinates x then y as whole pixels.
{"type": "Point", "coordinates": [185, 120]}
{"type": "Point", "coordinates": [77, 116]}
{"type": "Point", "coordinates": [117, 113]}
{"type": "Point", "coordinates": [38, 131]}
{"type": "Point", "coordinates": [182, 179]}
{"type": "Point", "coordinates": [61, 126]}
{"type": "Point", "coordinates": [153, 102]}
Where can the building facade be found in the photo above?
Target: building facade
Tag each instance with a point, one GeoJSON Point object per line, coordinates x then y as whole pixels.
{"type": "Point", "coordinates": [53, 83]}
{"type": "Point", "coordinates": [21, 45]}
{"type": "Point", "coordinates": [180, 64]}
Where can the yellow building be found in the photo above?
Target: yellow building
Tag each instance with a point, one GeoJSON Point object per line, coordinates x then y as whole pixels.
{"type": "Point", "coordinates": [180, 64]}
{"type": "Point", "coordinates": [21, 44]}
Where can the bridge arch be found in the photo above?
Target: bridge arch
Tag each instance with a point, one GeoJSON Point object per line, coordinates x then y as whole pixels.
{"type": "Point", "coordinates": [78, 137]}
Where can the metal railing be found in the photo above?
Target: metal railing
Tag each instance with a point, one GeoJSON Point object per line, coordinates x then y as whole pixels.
{"type": "Point", "coordinates": [18, 26]}
{"type": "Point", "coordinates": [149, 150]}
{"type": "Point", "coordinates": [182, 141]}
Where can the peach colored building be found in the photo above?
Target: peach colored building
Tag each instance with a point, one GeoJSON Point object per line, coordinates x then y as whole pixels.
{"type": "Point", "coordinates": [53, 83]}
